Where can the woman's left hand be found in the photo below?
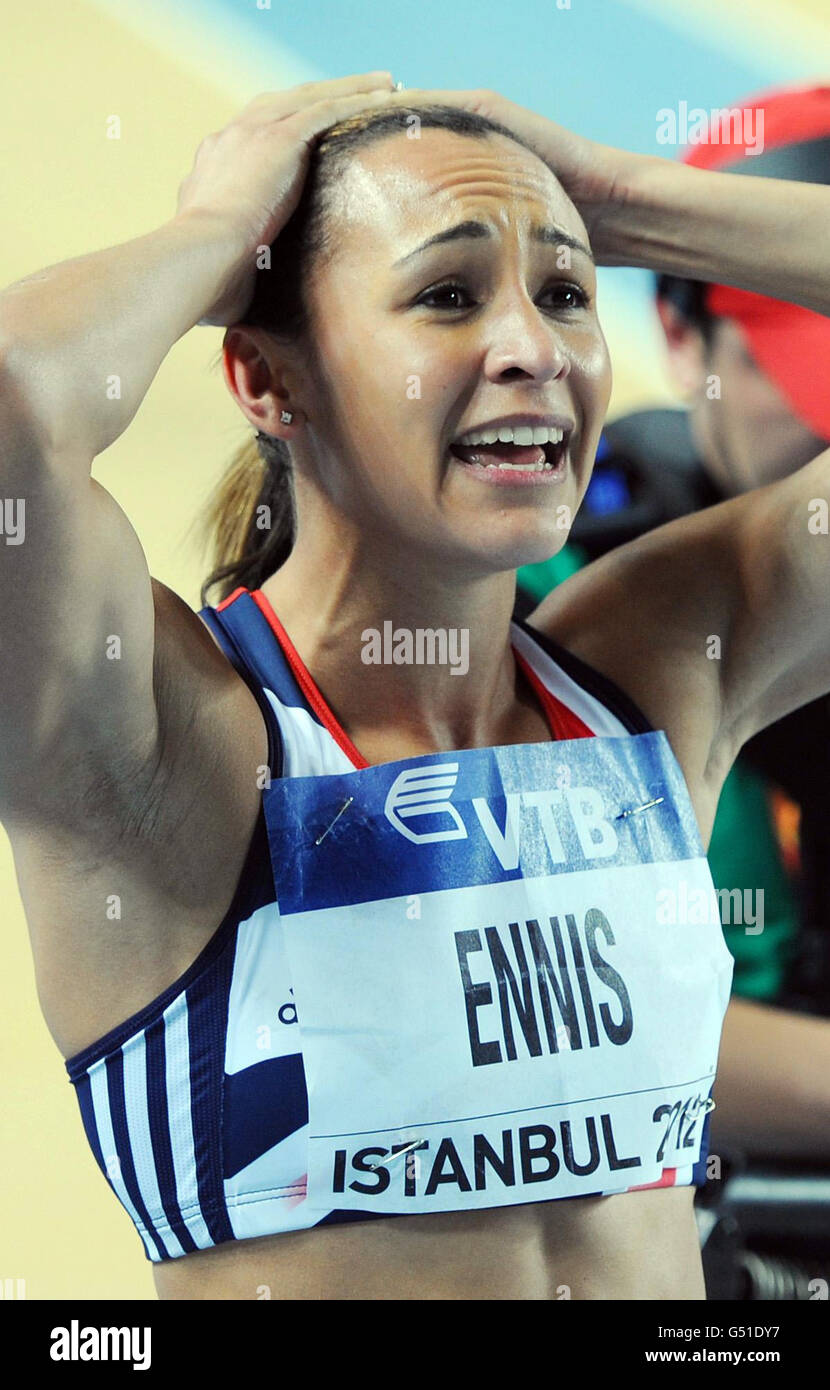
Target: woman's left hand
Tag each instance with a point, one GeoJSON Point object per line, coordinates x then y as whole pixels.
{"type": "Point", "coordinates": [595, 177]}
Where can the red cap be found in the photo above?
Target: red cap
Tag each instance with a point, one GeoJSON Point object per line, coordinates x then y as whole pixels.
{"type": "Point", "coordinates": [791, 344]}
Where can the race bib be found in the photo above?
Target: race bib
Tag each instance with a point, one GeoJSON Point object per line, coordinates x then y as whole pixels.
{"type": "Point", "coordinates": [509, 972]}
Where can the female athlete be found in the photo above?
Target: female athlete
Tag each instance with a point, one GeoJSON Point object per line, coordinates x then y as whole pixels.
{"type": "Point", "coordinates": [408, 284]}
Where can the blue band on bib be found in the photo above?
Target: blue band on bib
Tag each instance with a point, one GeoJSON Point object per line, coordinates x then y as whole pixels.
{"type": "Point", "coordinates": [488, 815]}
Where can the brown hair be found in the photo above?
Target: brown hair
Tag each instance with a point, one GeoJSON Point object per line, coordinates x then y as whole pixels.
{"type": "Point", "coordinates": [250, 519]}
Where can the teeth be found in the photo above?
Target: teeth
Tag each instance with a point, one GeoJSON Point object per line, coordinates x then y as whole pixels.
{"type": "Point", "coordinates": [521, 434]}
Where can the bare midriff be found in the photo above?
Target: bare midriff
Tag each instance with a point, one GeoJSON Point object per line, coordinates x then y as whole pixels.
{"type": "Point", "coordinates": [638, 1245]}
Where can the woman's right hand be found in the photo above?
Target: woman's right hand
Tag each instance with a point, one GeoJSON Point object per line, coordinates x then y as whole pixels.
{"type": "Point", "coordinates": [250, 174]}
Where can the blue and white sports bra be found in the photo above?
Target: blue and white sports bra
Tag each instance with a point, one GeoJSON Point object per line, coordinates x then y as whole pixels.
{"type": "Point", "coordinates": [196, 1107]}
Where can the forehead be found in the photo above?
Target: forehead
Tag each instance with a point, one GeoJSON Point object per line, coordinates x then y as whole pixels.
{"type": "Point", "coordinates": [401, 187]}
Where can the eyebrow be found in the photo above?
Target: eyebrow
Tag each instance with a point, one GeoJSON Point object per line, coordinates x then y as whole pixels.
{"type": "Point", "coordinates": [553, 236]}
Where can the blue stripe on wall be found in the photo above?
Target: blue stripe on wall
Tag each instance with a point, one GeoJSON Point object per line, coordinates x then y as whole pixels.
{"type": "Point", "coordinates": [602, 68]}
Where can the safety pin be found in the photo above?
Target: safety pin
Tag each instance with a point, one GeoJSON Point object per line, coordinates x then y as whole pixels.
{"type": "Point", "coordinates": [645, 807]}
{"type": "Point", "coordinates": [706, 1106]}
{"type": "Point", "coordinates": [321, 838]}
{"type": "Point", "coordinates": [400, 1153]}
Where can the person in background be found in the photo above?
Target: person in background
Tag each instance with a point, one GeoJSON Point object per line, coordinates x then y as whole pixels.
{"type": "Point", "coordinates": [756, 373]}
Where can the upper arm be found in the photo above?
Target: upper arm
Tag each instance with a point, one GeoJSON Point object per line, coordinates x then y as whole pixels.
{"type": "Point", "coordinates": [778, 655]}
{"type": "Point", "coordinates": [716, 624]}
{"type": "Point", "coordinates": [653, 616]}
{"type": "Point", "coordinates": [76, 623]}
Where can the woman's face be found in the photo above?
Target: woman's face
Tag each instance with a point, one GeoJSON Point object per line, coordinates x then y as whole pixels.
{"type": "Point", "coordinates": [414, 347]}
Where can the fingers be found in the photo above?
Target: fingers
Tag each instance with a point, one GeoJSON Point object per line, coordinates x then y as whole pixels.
{"type": "Point", "coordinates": [314, 106]}
{"type": "Point", "coordinates": [342, 86]}
{"type": "Point", "coordinates": [314, 119]}
{"type": "Point", "coordinates": [322, 114]}
{"type": "Point", "coordinates": [479, 100]}
{"type": "Point", "coordinates": [285, 102]}
{"type": "Point", "coordinates": [473, 100]}
{"type": "Point", "coordinates": [356, 92]}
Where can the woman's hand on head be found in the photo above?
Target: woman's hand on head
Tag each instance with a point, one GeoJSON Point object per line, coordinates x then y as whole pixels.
{"type": "Point", "coordinates": [249, 176]}
{"type": "Point", "coordinates": [594, 176]}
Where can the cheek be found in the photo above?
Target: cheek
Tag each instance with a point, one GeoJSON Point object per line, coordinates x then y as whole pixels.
{"type": "Point", "coordinates": [592, 378]}
{"type": "Point", "coordinates": [590, 352]}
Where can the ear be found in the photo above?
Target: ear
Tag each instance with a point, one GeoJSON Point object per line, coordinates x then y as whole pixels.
{"type": "Point", "coordinates": [686, 348]}
{"type": "Point", "coordinates": [260, 375]}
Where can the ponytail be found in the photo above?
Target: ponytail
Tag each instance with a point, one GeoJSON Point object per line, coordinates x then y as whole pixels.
{"type": "Point", "coordinates": [250, 517]}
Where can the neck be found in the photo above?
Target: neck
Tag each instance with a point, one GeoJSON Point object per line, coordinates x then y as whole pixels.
{"type": "Point", "coordinates": [397, 643]}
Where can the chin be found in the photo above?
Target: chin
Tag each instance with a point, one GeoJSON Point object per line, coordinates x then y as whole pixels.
{"type": "Point", "coordinates": [528, 549]}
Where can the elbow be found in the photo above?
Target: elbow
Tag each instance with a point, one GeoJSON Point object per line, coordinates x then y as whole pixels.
{"type": "Point", "coordinates": [30, 424]}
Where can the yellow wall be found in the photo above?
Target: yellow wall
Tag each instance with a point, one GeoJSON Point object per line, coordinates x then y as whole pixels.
{"type": "Point", "coordinates": [69, 190]}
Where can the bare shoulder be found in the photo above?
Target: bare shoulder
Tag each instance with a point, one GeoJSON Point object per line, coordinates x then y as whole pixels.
{"type": "Point", "coordinates": [653, 617]}
{"type": "Point", "coordinates": [131, 868]}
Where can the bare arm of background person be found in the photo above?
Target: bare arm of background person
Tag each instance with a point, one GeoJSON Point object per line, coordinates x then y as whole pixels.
{"type": "Point", "coordinates": [773, 1086]}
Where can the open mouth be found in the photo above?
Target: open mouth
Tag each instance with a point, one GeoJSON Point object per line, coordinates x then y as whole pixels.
{"type": "Point", "coordinates": [518, 458]}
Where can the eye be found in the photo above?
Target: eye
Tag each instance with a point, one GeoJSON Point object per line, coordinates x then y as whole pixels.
{"type": "Point", "coordinates": [442, 291]}
{"type": "Point", "coordinates": [578, 296]}
{"type": "Point", "coordinates": [570, 296]}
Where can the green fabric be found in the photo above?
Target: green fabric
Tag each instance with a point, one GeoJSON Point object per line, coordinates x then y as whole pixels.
{"type": "Point", "coordinates": [743, 852]}
{"type": "Point", "coordinates": [538, 580]}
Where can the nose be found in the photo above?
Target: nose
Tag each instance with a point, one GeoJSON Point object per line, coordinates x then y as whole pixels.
{"type": "Point", "coordinates": [522, 342]}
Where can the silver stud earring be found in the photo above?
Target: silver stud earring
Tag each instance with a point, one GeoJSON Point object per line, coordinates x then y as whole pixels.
{"type": "Point", "coordinates": [286, 417]}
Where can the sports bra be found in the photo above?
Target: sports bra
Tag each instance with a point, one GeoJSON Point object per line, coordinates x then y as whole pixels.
{"type": "Point", "coordinates": [196, 1107]}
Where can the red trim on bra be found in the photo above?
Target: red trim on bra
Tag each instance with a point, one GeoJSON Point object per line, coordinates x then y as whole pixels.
{"type": "Point", "coordinates": [306, 683]}
{"type": "Point", "coordinates": [226, 602]}
{"type": "Point", "coordinates": [563, 723]}
{"type": "Point", "coordinates": [668, 1178]}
